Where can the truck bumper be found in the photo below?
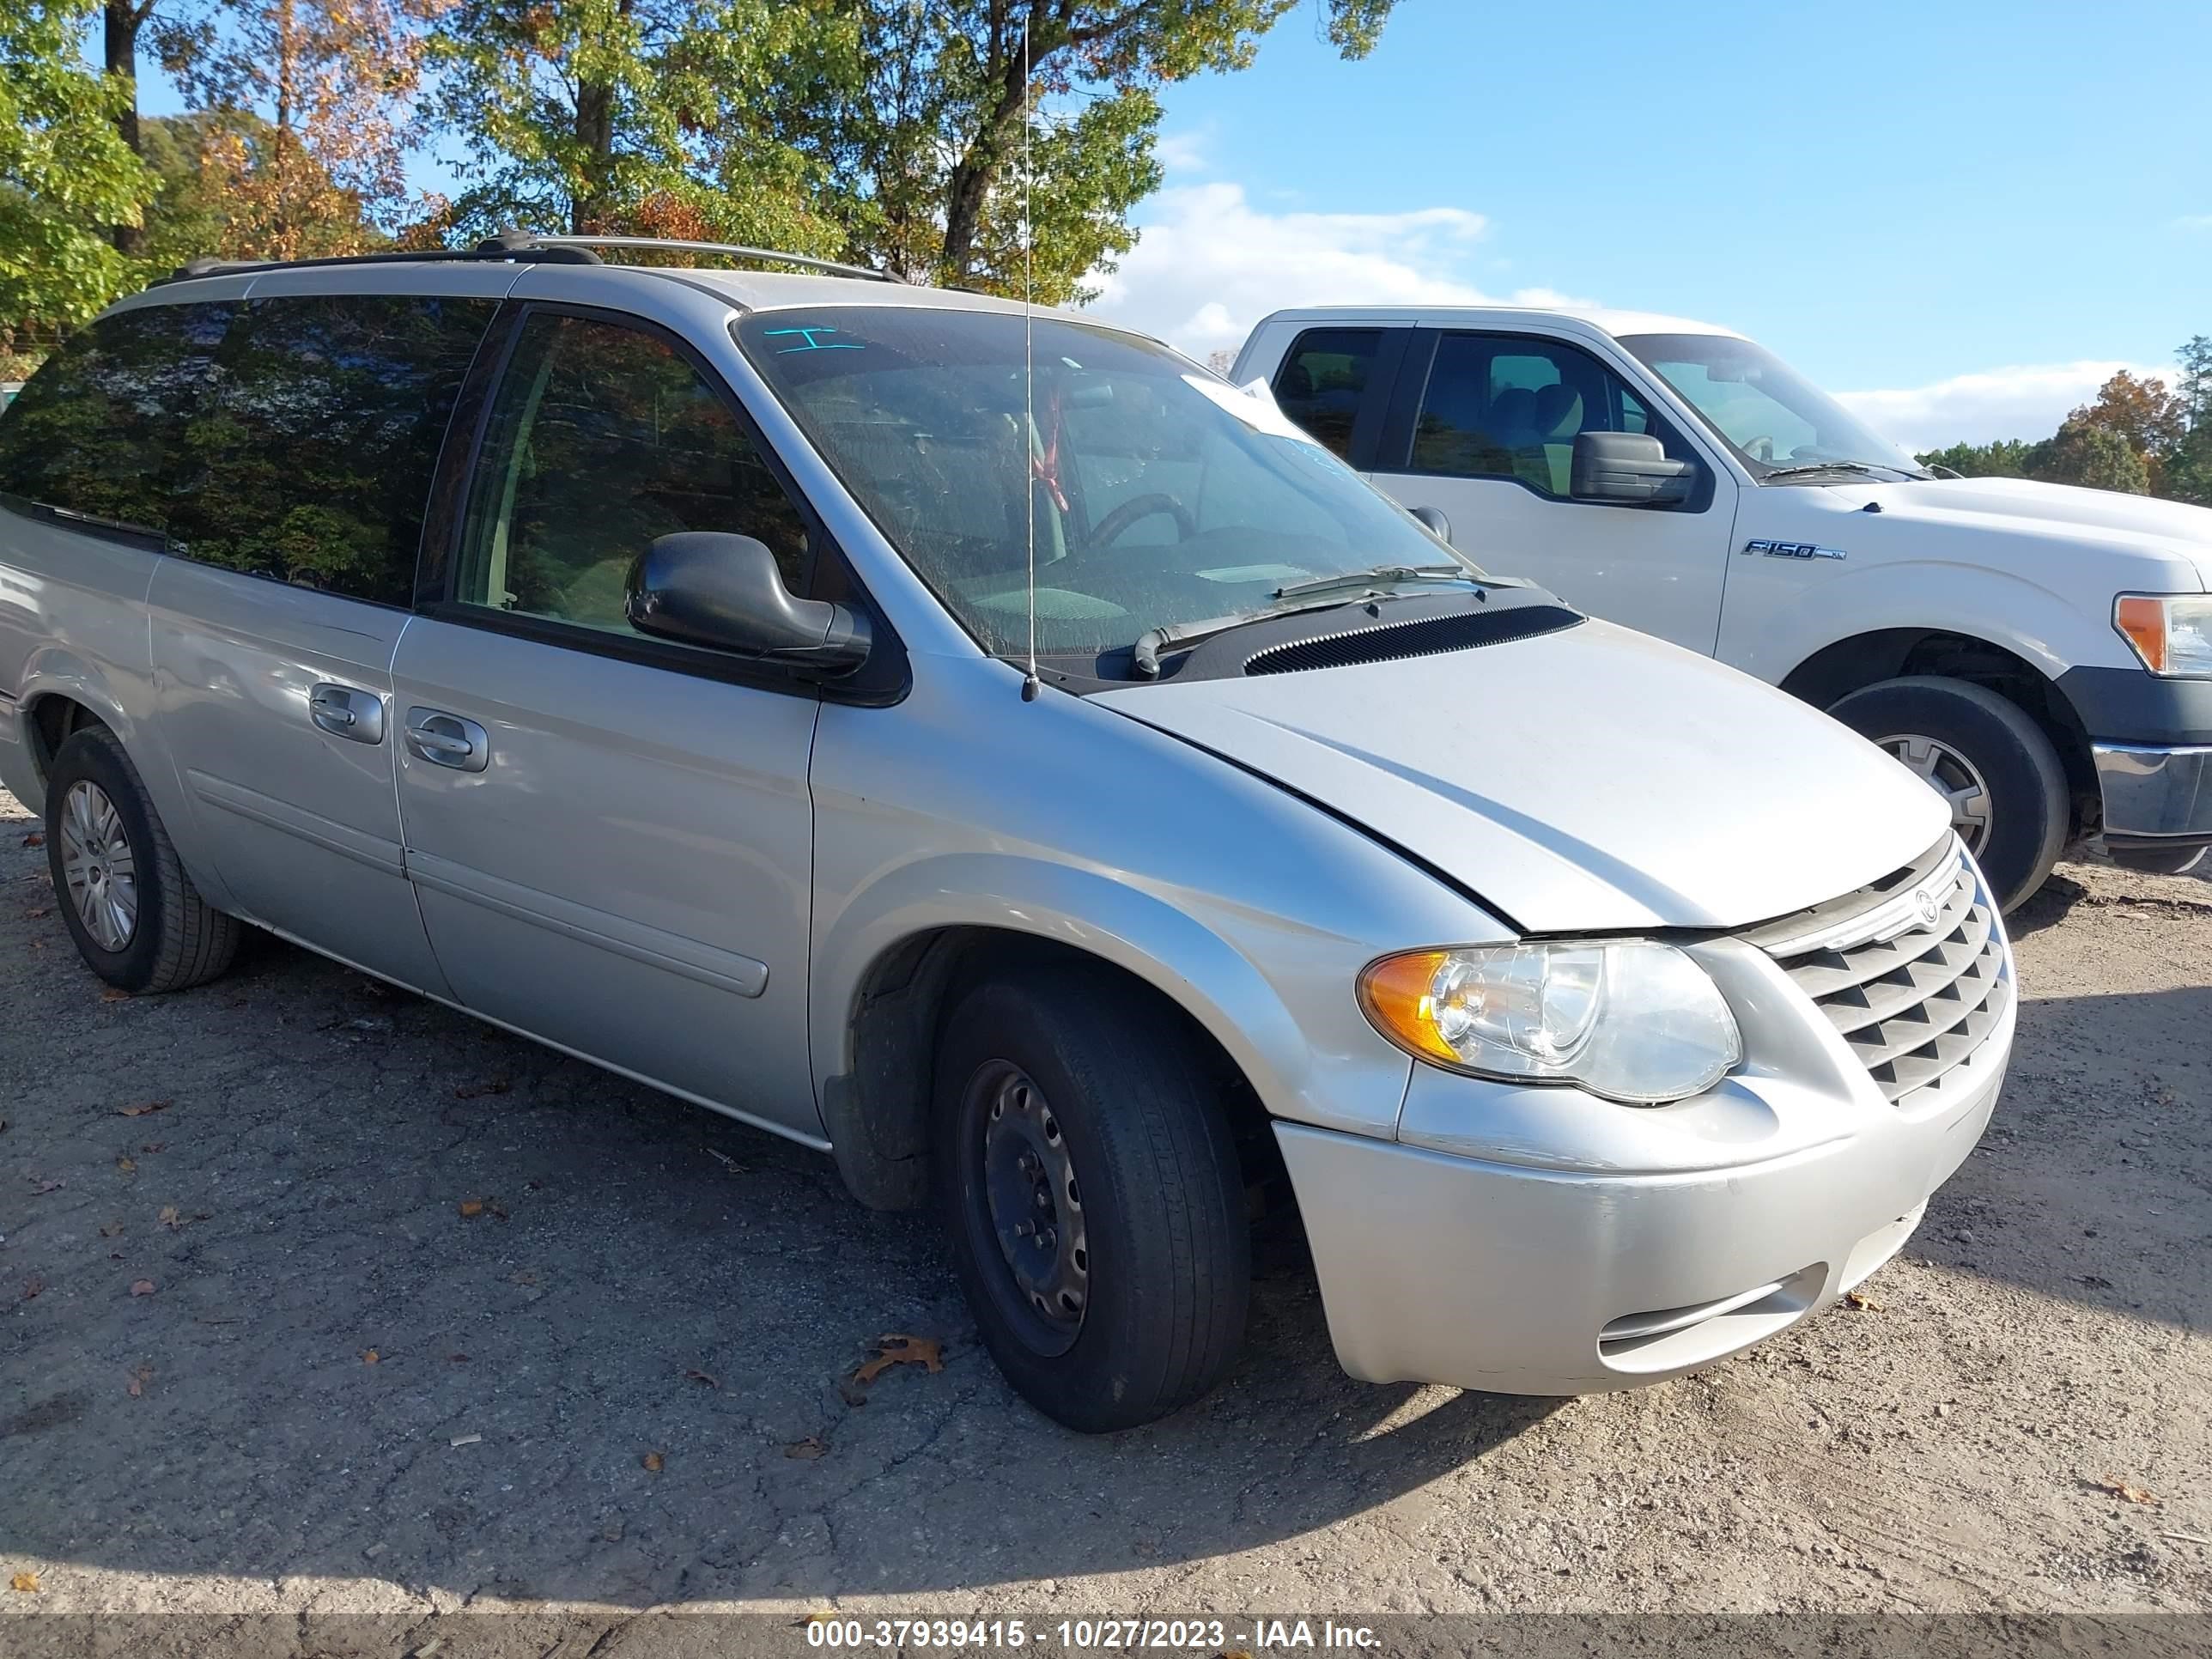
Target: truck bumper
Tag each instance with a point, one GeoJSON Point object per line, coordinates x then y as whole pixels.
{"type": "Point", "coordinates": [1518, 1280]}
{"type": "Point", "coordinates": [2155, 795]}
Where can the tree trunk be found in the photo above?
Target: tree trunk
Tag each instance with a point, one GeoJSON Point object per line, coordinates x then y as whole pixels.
{"type": "Point", "coordinates": [595, 131]}
{"type": "Point", "coordinates": [123, 19]}
{"type": "Point", "coordinates": [969, 186]}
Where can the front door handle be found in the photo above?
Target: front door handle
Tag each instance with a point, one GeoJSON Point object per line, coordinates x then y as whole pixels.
{"type": "Point", "coordinates": [447, 740]}
{"type": "Point", "coordinates": [345, 713]}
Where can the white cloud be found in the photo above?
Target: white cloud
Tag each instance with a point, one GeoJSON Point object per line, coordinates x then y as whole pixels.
{"type": "Point", "coordinates": [1208, 264]}
{"type": "Point", "coordinates": [2027, 402]}
{"type": "Point", "coordinates": [2194, 221]}
{"type": "Point", "coordinates": [1187, 150]}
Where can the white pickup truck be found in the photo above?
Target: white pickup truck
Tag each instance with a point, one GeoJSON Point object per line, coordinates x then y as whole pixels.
{"type": "Point", "coordinates": [2041, 654]}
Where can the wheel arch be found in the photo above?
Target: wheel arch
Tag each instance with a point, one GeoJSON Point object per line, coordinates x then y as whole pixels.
{"type": "Point", "coordinates": [1852, 664]}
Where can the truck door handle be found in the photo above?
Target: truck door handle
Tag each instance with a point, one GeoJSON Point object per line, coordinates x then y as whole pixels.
{"type": "Point", "coordinates": [343, 712]}
{"type": "Point", "coordinates": [447, 740]}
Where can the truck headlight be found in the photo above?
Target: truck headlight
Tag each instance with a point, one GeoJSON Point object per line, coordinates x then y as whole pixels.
{"type": "Point", "coordinates": [1633, 1020]}
{"type": "Point", "coordinates": [2171, 632]}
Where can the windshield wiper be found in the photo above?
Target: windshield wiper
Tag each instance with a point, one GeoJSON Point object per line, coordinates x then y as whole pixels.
{"type": "Point", "coordinates": [1810, 467]}
{"type": "Point", "coordinates": [1322, 593]}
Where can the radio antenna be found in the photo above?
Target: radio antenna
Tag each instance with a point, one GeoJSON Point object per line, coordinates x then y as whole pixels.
{"type": "Point", "coordinates": [1029, 355]}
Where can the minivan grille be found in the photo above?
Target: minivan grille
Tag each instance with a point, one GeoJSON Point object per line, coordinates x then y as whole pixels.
{"type": "Point", "coordinates": [1426, 636]}
{"type": "Point", "coordinates": [1916, 998]}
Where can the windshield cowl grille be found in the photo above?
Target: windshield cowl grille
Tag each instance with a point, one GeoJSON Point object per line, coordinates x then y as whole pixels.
{"type": "Point", "coordinates": [1426, 636]}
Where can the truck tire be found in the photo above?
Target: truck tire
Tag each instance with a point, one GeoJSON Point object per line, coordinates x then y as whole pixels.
{"type": "Point", "coordinates": [1091, 1186]}
{"type": "Point", "coordinates": [1992, 762]}
{"type": "Point", "coordinates": [138, 921]}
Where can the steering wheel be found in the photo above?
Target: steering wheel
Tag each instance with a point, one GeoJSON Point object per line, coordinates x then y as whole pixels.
{"type": "Point", "coordinates": [1109, 529]}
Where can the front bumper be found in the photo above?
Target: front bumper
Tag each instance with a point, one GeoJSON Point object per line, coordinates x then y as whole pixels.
{"type": "Point", "coordinates": [2155, 795]}
{"type": "Point", "coordinates": [1574, 1246]}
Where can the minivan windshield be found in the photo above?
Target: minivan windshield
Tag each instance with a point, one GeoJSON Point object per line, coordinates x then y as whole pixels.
{"type": "Point", "coordinates": [1162, 496]}
{"type": "Point", "coordinates": [1779, 423]}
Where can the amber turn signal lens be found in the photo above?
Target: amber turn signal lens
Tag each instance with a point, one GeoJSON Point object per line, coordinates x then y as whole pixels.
{"type": "Point", "coordinates": [1395, 992]}
{"type": "Point", "coordinates": [2143, 621]}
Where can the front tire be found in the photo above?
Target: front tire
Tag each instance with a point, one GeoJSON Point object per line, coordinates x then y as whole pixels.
{"type": "Point", "coordinates": [138, 921]}
{"type": "Point", "coordinates": [2004, 780]}
{"type": "Point", "coordinates": [1091, 1190]}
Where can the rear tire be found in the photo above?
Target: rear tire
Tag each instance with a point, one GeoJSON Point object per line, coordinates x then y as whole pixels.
{"type": "Point", "coordinates": [1986, 754]}
{"type": "Point", "coordinates": [138, 921]}
{"type": "Point", "coordinates": [1066, 1104]}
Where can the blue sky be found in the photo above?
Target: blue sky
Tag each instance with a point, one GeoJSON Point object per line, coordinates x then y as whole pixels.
{"type": "Point", "coordinates": [2008, 197]}
{"type": "Point", "coordinates": [1967, 215]}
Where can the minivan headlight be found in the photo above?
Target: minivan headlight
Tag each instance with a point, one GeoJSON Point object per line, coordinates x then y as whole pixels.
{"type": "Point", "coordinates": [2171, 633]}
{"type": "Point", "coordinates": [1633, 1020]}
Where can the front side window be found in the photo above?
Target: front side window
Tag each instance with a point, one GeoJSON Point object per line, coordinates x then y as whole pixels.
{"type": "Point", "coordinates": [1324, 382]}
{"type": "Point", "coordinates": [1159, 493]}
{"type": "Point", "coordinates": [100, 430]}
{"type": "Point", "coordinates": [603, 438]}
{"type": "Point", "coordinates": [1768, 414]}
{"type": "Point", "coordinates": [312, 462]}
{"type": "Point", "coordinates": [1497, 406]}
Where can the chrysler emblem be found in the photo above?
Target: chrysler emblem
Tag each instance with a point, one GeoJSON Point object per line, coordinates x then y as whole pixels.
{"type": "Point", "coordinates": [1928, 912]}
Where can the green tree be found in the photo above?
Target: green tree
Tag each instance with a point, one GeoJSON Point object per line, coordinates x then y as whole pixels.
{"type": "Point", "coordinates": [2082, 453]}
{"type": "Point", "coordinates": [618, 115]}
{"type": "Point", "coordinates": [2007, 458]}
{"type": "Point", "coordinates": [65, 174]}
{"type": "Point", "coordinates": [922, 132]}
{"type": "Point", "coordinates": [2188, 468]}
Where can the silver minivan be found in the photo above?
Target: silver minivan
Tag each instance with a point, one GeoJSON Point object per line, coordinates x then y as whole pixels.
{"type": "Point", "coordinates": [990, 748]}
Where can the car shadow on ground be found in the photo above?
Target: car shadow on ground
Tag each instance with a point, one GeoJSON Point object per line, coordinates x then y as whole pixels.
{"type": "Point", "coordinates": [419, 1302]}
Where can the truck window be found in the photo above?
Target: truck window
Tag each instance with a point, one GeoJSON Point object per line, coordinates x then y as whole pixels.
{"type": "Point", "coordinates": [100, 430]}
{"type": "Point", "coordinates": [1500, 406]}
{"type": "Point", "coordinates": [311, 457]}
{"type": "Point", "coordinates": [1324, 382]}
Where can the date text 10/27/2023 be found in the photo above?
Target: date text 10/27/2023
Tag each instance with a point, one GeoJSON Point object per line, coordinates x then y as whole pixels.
{"type": "Point", "coordinates": [1209, 1636]}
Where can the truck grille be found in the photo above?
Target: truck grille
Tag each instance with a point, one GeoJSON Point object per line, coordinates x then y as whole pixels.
{"type": "Point", "coordinates": [1916, 998]}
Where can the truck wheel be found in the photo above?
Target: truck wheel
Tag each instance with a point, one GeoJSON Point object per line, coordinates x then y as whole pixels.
{"type": "Point", "coordinates": [138, 921]}
{"type": "Point", "coordinates": [1988, 758]}
{"type": "Point", "coordinates": [1091, 1186]}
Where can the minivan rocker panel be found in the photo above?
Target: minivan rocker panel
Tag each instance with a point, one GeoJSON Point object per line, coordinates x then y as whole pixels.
{"type": "Point", "coordinates": [677, 685]}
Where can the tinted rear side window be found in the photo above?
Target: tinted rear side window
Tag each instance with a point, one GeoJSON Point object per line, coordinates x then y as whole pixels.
{"type": "Point", "coordinates": [98, 431]}
{"type": "Point", "coordinates": [316, 451]}
{"type": "Point", "coordinates": [1323, 381]}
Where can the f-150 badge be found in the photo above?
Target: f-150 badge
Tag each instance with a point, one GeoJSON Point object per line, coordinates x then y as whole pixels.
{"type": "Point", "coordinates": [1792, 549]}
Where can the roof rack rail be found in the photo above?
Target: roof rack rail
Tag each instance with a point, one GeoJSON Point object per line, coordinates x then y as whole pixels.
{"type": "Point", "coordinates": [520, 245]}
{"type": "Point", "coordinates": [764, 255]}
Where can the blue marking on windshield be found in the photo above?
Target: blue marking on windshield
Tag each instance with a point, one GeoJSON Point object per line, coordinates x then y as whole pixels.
{"type": "Point", "coordinates": [810, 343]}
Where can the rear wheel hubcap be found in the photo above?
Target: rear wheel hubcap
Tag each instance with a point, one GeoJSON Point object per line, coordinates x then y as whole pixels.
{"type": "Point", "coordinates": [1951, 775]}
{"type": "Point", "coordinates": [98, 865]}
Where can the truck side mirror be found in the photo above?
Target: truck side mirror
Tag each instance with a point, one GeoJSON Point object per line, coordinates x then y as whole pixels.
{"type": "Point", "coordinates": [1628, 468]}
{"type": "Point", "coordinates": [1433, 517]}
{"type": "Point", "coordinates": [712, 588]}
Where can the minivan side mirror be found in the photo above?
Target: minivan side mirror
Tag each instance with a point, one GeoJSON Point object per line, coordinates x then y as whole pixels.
{"type": "Point", "coordinates": [712, 588]}
{"type": "Point", "coordinates": [1631, 468]}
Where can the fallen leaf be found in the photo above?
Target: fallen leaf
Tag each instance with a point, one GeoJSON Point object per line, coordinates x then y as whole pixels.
{"type": "Point", "coordinates": [26, 1584]}
{"type": "Point", "coordinates": [145, 1110]}
{"type": "Point", "coordinates": [169, 1218]}
{"type": "Point", "coordinates": [36, 838]}
{"type": "Point", "coordinates": [2122, 1489]}
{"type": "Point", "coordinates": [139, 1379]}
{"type": "Point", "coordinates": [111, 1232]}
{"type": "Point", "coordinates": [39, 914]}
{"type": "Point", "coordinates": [41, 1188]}
{"type": "Point", "coordinates": [142, 1287]}
{"type": "Point", "coordinates": [1861, 1299]}
{"type": "Point", "coordinates": [701, 1376]}
{"type": "Point", "coordinates": [369, 1356]}
{"type": "Point", "coordinates": [111, 995]}
{"type": "Point", "coordinates": [808, 1448]}
{"type": "Point", "coordinates": [498, 1086]}
{"type": "Point", "coordinates": [31, 1287]}
{"type": "Point", "coordinates": [471, 1207]}
{"type": "Point", "coordinates": [922, 1350]}
{"type": "Point", "coordinates": [126, 1165]}
{"type": "Point", "coordinates": [652, 1461]}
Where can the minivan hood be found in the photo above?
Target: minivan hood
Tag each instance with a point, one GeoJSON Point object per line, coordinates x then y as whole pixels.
{"type": "Point", "coordinates": [1591, 780]}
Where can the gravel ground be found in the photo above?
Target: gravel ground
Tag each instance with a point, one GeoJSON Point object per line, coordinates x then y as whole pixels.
{"type": "Point", "coordinates": [317, 1298]}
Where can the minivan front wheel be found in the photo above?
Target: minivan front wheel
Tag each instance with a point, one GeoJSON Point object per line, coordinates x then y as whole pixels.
{"type": "Point", "coordinates": [1993, 765]}
{"type": "Point", "coordinates": [1091, 1191]}
{"type": "Point", "coordinates": [138, 921]}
